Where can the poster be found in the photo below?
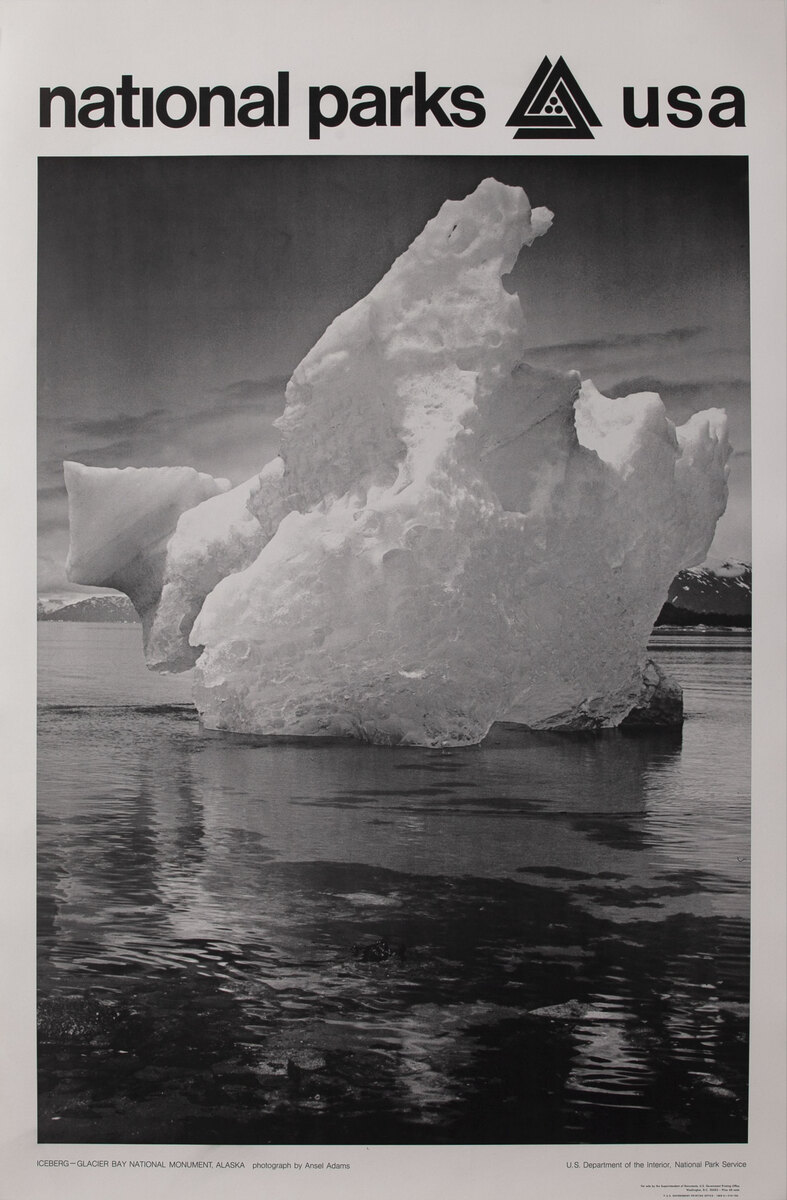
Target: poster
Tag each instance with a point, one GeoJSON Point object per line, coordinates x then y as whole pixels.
{"type": "Point", "coordinates": [359, 969]}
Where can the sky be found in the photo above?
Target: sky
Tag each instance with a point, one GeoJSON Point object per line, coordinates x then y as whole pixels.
{"type": "Point", "coordinates": [177, 295]}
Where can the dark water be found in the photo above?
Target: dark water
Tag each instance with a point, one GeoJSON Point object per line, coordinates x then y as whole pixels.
{"type": "Point", "coordinates": [255, 943]}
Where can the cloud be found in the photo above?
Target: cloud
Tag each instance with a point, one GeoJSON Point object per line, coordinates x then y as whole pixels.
{"type": "Point", "coordinates": [51, 522]}
{"type": "Point", "coordinates": [266, 395]}
{"type": "Point", "coordinates": [120, 426]}
{"type": "Point", "coordinates": [227, 433]}
{"type": "Point", "coordinates": [691, 352]}
{"type": "Point", "coordinates": [221, 426]}
{"type": "Point", "coordinates": [619, 341]}
{"type": "Point", "coordinates": [696, 389]}
{"type": "Point", "coordinates": [113, 454]}
{"type": "Point", "coordinates": [56, 492]}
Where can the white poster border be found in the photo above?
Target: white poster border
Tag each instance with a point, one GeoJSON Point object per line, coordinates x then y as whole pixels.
{"type": "Point", "coordinates": [706, 43]}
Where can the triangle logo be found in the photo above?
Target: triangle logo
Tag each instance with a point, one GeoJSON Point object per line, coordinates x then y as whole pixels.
{"type": "Point", "coordinates": [553, 105]}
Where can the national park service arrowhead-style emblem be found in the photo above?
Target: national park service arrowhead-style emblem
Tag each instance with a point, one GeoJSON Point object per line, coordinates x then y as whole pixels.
{"type": "Point", "coordinates": [553, 105]}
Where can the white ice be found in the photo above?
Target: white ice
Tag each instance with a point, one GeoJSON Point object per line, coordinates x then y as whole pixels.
{"type": "Point", "coordinates": [449, 536]}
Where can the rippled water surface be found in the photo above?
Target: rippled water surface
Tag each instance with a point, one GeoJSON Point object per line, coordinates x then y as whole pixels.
{"type": "Point", "coordinates": [543, 939]}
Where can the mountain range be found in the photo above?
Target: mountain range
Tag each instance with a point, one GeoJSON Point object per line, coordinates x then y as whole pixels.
{"type": "Point", "coordinates": [709, 596]}
{"type": "Point", "coordinates": [75, 607]}
{"type": "Point", "coordinates": [719, 595]}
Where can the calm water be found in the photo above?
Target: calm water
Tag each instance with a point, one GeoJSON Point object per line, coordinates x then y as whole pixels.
{"type": "Point", "coordinates": [253, 943]}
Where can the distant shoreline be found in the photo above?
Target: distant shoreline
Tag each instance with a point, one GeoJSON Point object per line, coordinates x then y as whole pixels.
{"type": "Point", "coordinates": [715, 598]}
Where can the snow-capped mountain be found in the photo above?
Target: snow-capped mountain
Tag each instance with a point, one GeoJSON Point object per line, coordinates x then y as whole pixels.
{"type": "Point", "coordinates": [75, 607]}
{"type": "Point", "coordinates": [717, 595]}
{"type": "Point", "coordinates": [709, 595]}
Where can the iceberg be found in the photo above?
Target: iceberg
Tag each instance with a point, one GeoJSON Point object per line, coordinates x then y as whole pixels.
{"type": "Point", "coordinates": [449, 536]}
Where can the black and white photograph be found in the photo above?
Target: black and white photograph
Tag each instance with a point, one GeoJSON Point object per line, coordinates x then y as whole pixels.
{"type": "Point", "coordinates": [393, 508]}
{"type": "Point", "coordinates": [394, 650]}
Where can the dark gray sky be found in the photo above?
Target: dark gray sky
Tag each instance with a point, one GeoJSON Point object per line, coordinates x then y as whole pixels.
{"type": "Point", "coordinates": [177, 295]}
